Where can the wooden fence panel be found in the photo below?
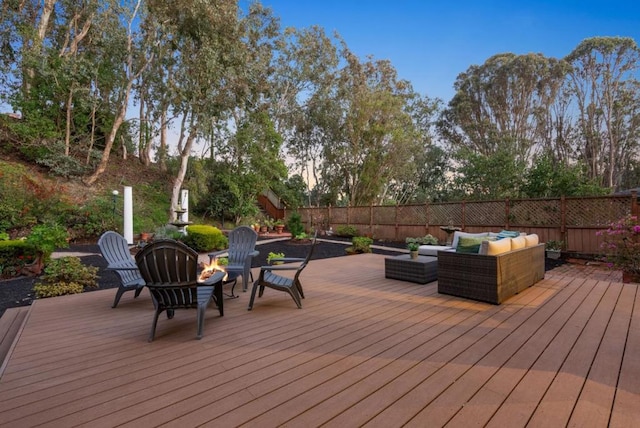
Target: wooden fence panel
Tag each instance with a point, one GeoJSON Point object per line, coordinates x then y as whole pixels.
{"type": "Point", "coordinates": [572, 220]}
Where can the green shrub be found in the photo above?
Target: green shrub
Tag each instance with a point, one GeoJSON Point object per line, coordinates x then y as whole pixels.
{"type": "Point", "coordinates": [425, 240]}
{"type": "Point", "coordinates": [346, 231]}
{"type": "Point", "coordinates": [46, 238]}
{"type": "Point", "coordinates": [53, 290]}
{"type": "Point", "coordinates": [361, 244]}
{"type": "Point", "coordinates": [66, 275]}
{"type": "Point", "coordinates": [168, 231]}
{"type": "Point", "coordinates": [14, 255]}
{"type": "Point", "coordinates": [294, 224]}
{"type": "Point", "coordinates": [272, 256]}
{"type": "Point", "coordinates": [205, 238]}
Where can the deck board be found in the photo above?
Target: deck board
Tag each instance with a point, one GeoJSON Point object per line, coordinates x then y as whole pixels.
{"type": "Point", "coordinates": [364, 350]}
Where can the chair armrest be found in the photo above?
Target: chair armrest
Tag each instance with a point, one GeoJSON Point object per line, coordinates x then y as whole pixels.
{"type": "Point", "coordinates": [286, 260]}
{"type": "Point", "coordinates": [123, 265]}
{"type": "Point", "coordinates": [254, 253]}
{"type": "Point", "coordinates": [217, 254]}
{"type": "Point", "coordinates": [279, 267]}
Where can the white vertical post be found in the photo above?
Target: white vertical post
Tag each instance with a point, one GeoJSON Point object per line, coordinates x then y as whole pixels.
{"type": "Point", "coordinates": [184, 202]}
{"type": "Point", "coordinates": [128, 214]}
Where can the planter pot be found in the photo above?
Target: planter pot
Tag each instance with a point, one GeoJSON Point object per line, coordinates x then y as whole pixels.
{"type": "Point", "coordinates": [629, 277]}
{"type": "Point", "coordinates": [144, 236]}
{"type": "Point", "coordinates": [553, 254]}
{"type": "Point", "coordinates": [264, 229]}
{"type": "Point", "coordinates": [279, 229]}
{"type": "Point", "coordinates": [413, 254]}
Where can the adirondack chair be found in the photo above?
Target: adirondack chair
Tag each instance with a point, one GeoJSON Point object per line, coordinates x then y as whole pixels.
{"type": "Point", "coordinates": [115, 250]}
{"type": "Point", "coordinates": [242, 244]}
{"type": "Point", "coordinates": [170, 271]}
{"type": "Point", "coordinates": [287, 284]}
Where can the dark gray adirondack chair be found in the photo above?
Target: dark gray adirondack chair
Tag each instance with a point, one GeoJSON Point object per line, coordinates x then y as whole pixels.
{"type": "Point", "coordinates": [242, 248]}
{"type": "Point", "coordinates": [115, 250]}
{"type": "Point", "coordinates": [170, 271]}
{"type": "Point", "coordinates": [290, 285]}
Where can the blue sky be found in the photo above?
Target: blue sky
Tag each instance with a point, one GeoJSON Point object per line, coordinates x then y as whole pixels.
{"type": "Point", "coordinates": [431, 42]}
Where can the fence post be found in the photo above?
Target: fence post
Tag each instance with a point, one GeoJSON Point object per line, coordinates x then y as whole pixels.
{"type": "Point", "coordinates": [371, 219]}
{"type": "Point", "coordinates": [563, 218]}
{"type": "Point", "coordinates": [426, 216]}
{"type": "Point", "coordinates": [507, 211]}
{"type": "Point", "coordinates": [464, 214]}
{"type": "Point", "coordinates": [634, 203]}
{"type": "Point", "coordinates": [397, 231]}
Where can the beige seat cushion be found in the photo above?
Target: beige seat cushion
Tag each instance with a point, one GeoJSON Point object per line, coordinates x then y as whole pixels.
{"type": "Point", "coordinates": [493, 248]}
{"type": "Point", "coordinates": [531, 240]}
{"type": "Point", "coordinates": [517, 243]}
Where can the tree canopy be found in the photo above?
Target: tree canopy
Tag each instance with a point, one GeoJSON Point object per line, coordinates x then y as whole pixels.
{"type": "Point", "coordinates": [233, 104]}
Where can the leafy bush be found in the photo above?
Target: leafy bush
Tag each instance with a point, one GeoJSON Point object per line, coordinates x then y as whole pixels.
{"type": "Point", "coordinates": [66, 275]}
{"type": "Point", "coordinates": [45, 238]}
{"type": "Point", "coordinates": [621, 244]}
{"type": "Point", "coordinates": [272, 256]}
{"type": "Point", "coordinates": [346, 231]}
{"type": "Point", "coordinates": [14, 255]}
{"type": "Point", "coordinates": [294, 224]}
{"type": "Point", "coordinates": [59, 163]}
{"type": "Point", "coordinates": [168, 231]}
{"type": "Point", "coordinates": [361, 244]}
{"type": "Point", "coordinates": [53, 290]}
{"type": "Point", "coordinates": [425, 240]}
{"type": "Point", "coordinates": [205, 238]}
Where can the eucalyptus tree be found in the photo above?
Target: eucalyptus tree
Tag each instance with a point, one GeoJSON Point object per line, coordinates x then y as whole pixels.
{"type": "Point", "coordinates": [603, 82]}
{"type": "Point", "coordinates": [503, 104]}
{"type": "Point", "coordinates": [372, 138]}
{"type": "Point", "coordinates": [203, 45]}
{"type": "Point", "coordinates": [305, 64]}
{"type": "Point", "coordinates": [129, 40]}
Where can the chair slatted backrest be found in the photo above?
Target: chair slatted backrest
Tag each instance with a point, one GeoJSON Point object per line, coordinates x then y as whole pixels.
{"type": "Point", "coordinates": [115, 250]}
{"type": "Point", "coordinates": [170, 270]}
{"type": "Point", "coordinates": [242, 241]}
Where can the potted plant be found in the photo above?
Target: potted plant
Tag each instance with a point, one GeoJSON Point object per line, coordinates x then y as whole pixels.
{"type": "Point", "coordinates": [278, 225]}
{"type": "Point", "coordinates": [553, 249]}
{"type": "Point", "coordinates": [621, 247]}
{"type": "Point", "coordinates": [413, 249]}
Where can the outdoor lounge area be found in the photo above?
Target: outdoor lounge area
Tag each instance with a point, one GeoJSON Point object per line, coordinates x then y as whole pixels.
{"type": "Point", "coordinates": [363, 350]}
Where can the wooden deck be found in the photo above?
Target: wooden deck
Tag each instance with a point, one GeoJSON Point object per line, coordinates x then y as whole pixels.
{"type": "Point", "coordinates": [364, 351]}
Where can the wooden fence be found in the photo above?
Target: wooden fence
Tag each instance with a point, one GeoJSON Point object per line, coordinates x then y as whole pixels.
{"type": "Point", "coordinates": [571, 220]}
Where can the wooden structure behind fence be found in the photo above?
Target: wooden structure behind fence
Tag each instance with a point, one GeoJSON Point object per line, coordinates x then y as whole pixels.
{"type": "Point", "coordinates": [572, 220]}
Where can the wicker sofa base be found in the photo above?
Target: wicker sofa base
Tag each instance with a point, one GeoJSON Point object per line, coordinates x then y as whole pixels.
{"type": "Point", "coordinates": [490, 279]}
{"type": "Point", "coordinates": [421, 270]}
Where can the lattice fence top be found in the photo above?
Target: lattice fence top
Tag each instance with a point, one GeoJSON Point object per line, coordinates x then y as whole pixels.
{"type": "Point", "coordinates": [528, 212]}
{"type": "Point", "coordinates": [593, 212]}
{"type": "Point", "coordinates": [386, 215]}
{"type": "Point", "coordinates": [486, 213]}
{"type": "Point", "coordinates": [412, 214]}
{"type": "Point", "coordinates": [445, 214]}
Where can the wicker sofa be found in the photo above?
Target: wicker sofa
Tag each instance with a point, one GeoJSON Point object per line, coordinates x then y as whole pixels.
{"type": "Point", "coordinates": [490, 278]}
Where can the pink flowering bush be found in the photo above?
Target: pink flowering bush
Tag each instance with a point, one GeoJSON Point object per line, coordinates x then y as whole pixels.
{"type": "Point", "coordinates": [621, 245]}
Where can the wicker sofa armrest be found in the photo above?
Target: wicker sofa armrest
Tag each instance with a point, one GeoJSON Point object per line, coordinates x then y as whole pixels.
{"type": "Point", "coordinates": [490, 279]}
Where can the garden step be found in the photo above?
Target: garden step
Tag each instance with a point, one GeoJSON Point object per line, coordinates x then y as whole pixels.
{"type": "Point", "coordinates": [11, 324]}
